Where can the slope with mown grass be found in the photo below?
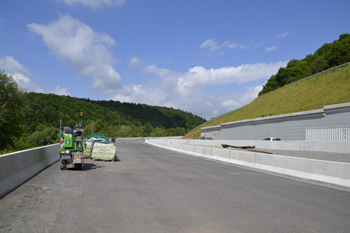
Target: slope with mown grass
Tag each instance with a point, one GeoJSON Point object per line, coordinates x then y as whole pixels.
{"type": "Point", "coordinates": [328, 88]}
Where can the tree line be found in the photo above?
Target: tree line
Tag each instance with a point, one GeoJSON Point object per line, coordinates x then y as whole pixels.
{"type": "Point", "coordinates": [327, 56]}
{"type": "Point", "coordinates": [32, 119]}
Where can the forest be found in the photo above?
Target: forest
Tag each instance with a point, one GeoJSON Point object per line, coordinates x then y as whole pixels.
{"type": "Point", "coordinates": [327, 56]}
{"type": "Point", "coordinates": [43, 112]}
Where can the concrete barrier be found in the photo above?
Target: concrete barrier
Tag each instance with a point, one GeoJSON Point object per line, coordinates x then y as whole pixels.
{"type": "Point", "coordinates": [318, 170]}
{"type": "Point", "coordinates": [337, 147]}
{"type": "Point", "coordinates": [18, 167]}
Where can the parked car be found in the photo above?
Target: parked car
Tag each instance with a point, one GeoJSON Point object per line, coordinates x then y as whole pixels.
{"type": "Point", "coordinates": [272, 139]}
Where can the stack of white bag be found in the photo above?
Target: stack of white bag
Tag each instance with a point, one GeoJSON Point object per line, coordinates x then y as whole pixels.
{"type": "Point", "coordinates": [103, 151]}
{"type": "Point", "coordinates": [87, 150]}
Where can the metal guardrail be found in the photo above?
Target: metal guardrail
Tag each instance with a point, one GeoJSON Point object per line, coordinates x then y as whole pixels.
{"type": "Point", "coordinates": [345, 64]}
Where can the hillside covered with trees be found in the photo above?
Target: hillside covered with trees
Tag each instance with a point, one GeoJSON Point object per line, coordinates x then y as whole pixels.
{"type": "Point", "coordinates": [327, 56]}
{"type": "Point", "coordinates": [41, 115]}
{"type": "Point", "coordinates": [108, 117]}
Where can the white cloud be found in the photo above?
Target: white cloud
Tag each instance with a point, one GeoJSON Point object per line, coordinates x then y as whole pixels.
{"type": "Point", "coordinates": [26, 83]}
{"type": "Point", "coordinates": [221, 53]}
{"type": "Point", "coordinates": [241, 74]}
{"type": "Point", "coordinates": [79, 46]}
{"type": "Point", "coordinates": [210, 44]}
{"type": "Point", "coordinates": [250, 95]}
{"type": "Point", "coordinates": [122, 98]}
{"type": "Point", "coordinates": [215, 113]}
{"type": "Point", "coordinates": [282, 35]}
{"type": "Point", "coordinates": [186, 90]}
{"type": "Point", "coordinates": [10, 65]}
{"type": "Point", "coordinates": [271, 48]}
{"type": "Point", "coordinates": [231, 104]}
{"type": "Point", "coordinates": [61, 91]}
{"type": "Point", "coordinates": [157, 71]}
{"type": "Point", "coordinates": [136, 63]}
{"type": "Point", "coordinates": [230, 45]}
{"type": "Point", "coordinates": [94, 3]}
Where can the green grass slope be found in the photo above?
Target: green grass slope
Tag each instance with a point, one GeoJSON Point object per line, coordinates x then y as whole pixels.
{"type": "Point", "coordinates": [329, 88]}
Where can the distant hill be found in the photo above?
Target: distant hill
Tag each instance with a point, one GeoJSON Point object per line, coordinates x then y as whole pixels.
{"type": "Point", "coordinates": [43, 112]}
{"type": "Point", "coordinates": [112, 118]}
{"type": "Point", "coordinates": [332, 87]}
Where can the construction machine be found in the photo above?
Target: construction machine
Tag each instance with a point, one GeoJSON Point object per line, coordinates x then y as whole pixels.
{"type": "Point", "coordinates": [71, 150]}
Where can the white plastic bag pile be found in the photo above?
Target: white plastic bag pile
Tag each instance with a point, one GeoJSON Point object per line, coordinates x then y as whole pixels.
{"type": "Point", "coordinates": [103, 151]}
{"type": "Point", "coordinates": [87, 150]}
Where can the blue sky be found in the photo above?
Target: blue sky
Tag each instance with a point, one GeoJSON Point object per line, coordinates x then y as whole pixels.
{"type": "Point", "coordinates": [207, 57]}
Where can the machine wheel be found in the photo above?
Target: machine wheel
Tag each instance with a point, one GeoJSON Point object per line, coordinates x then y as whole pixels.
{"type": "Point", "coordinates": [77, 166]}
{"type": "Point", "coordinates": [62, 167]}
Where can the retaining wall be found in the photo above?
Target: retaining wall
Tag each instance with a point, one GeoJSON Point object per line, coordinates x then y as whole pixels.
{"type": "Point", "coordinates": [318, 170]}
{"type": "Point", "coordinates": [288, 127]}
{"type": "Point", "coordinates": [18, 167]}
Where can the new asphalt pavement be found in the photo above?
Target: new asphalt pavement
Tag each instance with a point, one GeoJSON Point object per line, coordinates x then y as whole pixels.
{"type": "Point", "coordinates": [151, 189]}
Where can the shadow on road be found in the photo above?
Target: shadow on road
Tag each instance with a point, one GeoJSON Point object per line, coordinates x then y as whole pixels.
{"type": "Point", "coordinates": [87, 166]}
{"type": "Point", "coordinates": [91, 166]}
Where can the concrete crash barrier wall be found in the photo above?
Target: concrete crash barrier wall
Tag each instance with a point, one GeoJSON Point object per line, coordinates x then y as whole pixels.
{"type": "Point", "coordinates": [310, 169]}
{"type": "Point", "coordinates": [18, 167]}
{"type": "Point", "coordinates": [337, 147]}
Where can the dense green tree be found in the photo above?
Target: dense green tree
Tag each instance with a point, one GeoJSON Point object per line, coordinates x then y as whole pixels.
{"type": "Point", "coordinates": [282, 76]}
{"type": "Point", "coordinates": [89, 129]}
{"type": "Point", "coordinates": [271, 85]}
{"type": "Point", "coordinates": [11, 110]}
{"type": "Point", "coordinates": [37, 139]}
{"type": "Point", "coordinates": [45, 137]}
{"type": "Point", "coordinates": [40, 127]}
{"type": "Point", "coordinates": [50, 135]}
{"type": "Point", "coordinates": [297, 70]}
{"type": "Point", "coordinates": [340, 51]}
{"type": "Point", "coordinates": [126, 129]}
{"type": "Point", "coordinates": [318, 64]}
{"type": "Point", "coordinates": [99, 125]}
{"type": "Point", "coordinates": [327, 56]}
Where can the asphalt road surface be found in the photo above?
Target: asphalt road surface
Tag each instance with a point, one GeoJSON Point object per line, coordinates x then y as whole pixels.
{"type": "Point", "coordinates": [157, 190]}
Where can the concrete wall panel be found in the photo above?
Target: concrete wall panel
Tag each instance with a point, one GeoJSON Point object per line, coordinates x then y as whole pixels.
{"type": "Point", "coordinates": [338, 118]}
{"type": "Point", "coordinates": [17, 167]}
{"type": "Point", "coordinates": [290, 127]}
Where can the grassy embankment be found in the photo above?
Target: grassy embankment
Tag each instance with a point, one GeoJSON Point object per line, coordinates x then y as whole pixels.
{"type": "Point", "coordinates": [313, 93]}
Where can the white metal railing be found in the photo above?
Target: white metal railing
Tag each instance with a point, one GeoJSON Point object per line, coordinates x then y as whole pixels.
{"type": "Point", "coordinates": [334, 134]}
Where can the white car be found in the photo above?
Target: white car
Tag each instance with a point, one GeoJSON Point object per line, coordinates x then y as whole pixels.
{"type": "Point", "coordinates": [272, 139]}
